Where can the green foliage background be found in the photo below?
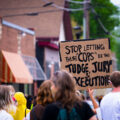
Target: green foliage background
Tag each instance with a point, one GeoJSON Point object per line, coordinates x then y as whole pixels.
{"type": "Point", "coordinates": [105, 11]}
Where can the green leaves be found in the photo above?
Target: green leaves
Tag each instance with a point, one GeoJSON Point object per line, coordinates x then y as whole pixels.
{"type": "Point", "coordinates": [105, 10]}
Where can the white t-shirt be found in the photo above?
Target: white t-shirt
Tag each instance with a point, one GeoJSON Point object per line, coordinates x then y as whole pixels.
{"type": "Point", "coordinates": [27, 117]}
{"type": "Point", "coordinates": [99, 116]}
{"type": "Point", "coordinates": [110, 106]}
{"type": "Point", "coordinates": [5, 116]}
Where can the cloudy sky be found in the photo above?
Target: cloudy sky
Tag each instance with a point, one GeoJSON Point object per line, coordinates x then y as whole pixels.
{"type": "Point", "coordinates": [116, 2]}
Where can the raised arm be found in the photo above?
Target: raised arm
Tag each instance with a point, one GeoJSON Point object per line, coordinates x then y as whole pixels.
{"type": "Point", "coordinates": [95, 104]}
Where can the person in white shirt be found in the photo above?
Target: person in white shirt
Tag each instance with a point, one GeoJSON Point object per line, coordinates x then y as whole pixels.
{"type": "Point", "coordinates": [110, 104]}
{"type": "Point", "coordinates": [5, 103]}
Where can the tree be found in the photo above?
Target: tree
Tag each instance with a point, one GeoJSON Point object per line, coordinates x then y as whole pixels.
{"type": "Point", "coordinates": [105, 11]}
{"type": "Point", "coordinates": [116, 36]}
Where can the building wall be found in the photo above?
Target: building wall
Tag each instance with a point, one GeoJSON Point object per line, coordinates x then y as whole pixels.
{"type": "Point", "coordinates": [51, 55]}
{"type": "Point", "coordinates": [9, 41]}
{"type": "Point", "coordinates": [46, 23]}
{"type": "Point", "coordinates": [62, 33]}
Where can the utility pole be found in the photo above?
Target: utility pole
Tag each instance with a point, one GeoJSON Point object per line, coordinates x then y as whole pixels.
{"type": "Point", "coordinates": [86, 28]}
{"type": "Point", "coordinates": [86, 31]}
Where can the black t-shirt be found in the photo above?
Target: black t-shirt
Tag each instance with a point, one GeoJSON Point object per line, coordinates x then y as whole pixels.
{"type": "Point", "coordinates": [52, 110]}
{"type": "Point", "coordinates": [37, 112]}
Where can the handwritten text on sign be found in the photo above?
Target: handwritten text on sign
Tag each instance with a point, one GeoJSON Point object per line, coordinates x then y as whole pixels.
{"type": "Point", "coordinates": [89, 61]}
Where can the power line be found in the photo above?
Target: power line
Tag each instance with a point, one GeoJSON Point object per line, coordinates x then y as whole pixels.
{"type": "Point", "coordinates": [34, 7]}
{"type": "Point", "coordinates": [51, 4]}
{"type": "Point", "coordinates": [32, 13]}
{"type": "Point", "coordinates": [47, 2]}
{"type": "Point", "coordinates": [35, 13]}
{"type": "Point", "coordinates": [63, 8]}
{"type": "Point", "coordinates": [67, 9]}
{"type": "Point", "coordinates": [99, 21]}
{"type": "Point", "coordinates": [102, 25]}
{"type": "Point", "coordinates": [77, 2]}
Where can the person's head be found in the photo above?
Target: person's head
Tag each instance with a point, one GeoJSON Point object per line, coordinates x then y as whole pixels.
{"type": "Point", "coordinates": [115, 78]}
{"type": "Point", "coordinates": [64, 89]}
{"type": "Point", "coordinates": [29, 101]}
{"type": "Point", "coordinates": [44, 96]}
{"type": "Point", "coordinates": [12, 90]}
{"type": "Point", "coordinates": [80, 95]}
{"type": "Point", "coordinates": [5, 98]}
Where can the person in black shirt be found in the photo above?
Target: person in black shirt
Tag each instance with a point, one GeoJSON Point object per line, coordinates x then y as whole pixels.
{"type": "Point", "coordinates": [63, 90]}
{"type": "Point", "coordinates": [44, 98]}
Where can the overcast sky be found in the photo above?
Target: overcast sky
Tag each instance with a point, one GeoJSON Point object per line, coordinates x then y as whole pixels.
{"type": "Point", "coordinates": [116, 2]}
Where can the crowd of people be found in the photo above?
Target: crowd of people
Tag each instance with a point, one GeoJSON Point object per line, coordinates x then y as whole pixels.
{"type": "Point", "coordinates": [58, 99]}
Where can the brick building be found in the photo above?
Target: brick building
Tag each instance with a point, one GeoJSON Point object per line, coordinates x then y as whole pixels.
{"type": "Point", "coordinates": [15, 41]}
{"type": "Point", "coordinates": [50, 24]}
{"type": "Point", "coordinates": [18, 65]}
{"type": "Point", "coordinates": [14, 38]}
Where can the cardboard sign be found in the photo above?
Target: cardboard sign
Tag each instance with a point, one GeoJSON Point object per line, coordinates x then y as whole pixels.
{"type": "Point", "coordinates": [89, 61]}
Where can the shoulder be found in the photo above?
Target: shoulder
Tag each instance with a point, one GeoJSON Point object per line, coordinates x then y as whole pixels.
{"type": "Point", "coordinates": [83, 105]}
{"type": "Point", "coordinates": [51, 112]}
{"type": "Point", "coordinates": [112, 96]}
{"type": "Point", "coordinates": [37, 112]}
{"type": "Point", "coordinates": [107, 97]}
{"type": "Point", "coordinates": [38, 107]}
{"type": "Point", "coordinates": [84, 111]}
{"type": "Point", "coordinates": [5, 115]}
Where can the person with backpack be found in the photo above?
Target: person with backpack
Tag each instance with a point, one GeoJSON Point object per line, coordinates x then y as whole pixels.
{"type": "Point", "coordinates": [68, 106]}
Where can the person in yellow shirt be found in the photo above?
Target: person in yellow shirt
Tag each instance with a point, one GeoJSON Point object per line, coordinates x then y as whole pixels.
{"type": "Point", "coordinates": [21, 110]}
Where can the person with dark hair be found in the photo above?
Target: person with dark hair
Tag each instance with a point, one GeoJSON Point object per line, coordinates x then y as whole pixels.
{"type": "Point", "coordinates": [68, 106]}
{"type": "Point", "coordinates": [110, 104]}
{"type": "Point", "coordinates": [44, 98]}
{"type": "Point", "coordinates": [29, 101]}
{"type": "Point", "coordinates": [5, 103]}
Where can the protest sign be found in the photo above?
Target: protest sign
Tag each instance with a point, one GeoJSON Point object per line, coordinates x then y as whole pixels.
{"type": "Point", "coordinates": [89, 61]}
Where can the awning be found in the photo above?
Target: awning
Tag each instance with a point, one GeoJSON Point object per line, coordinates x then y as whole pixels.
{"type": "Point", "coordinates": [13, 69]}
{"type": "Point", "coordinates": [48, 44]}
{"type": "Point", "coordinates": [34, 68]}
